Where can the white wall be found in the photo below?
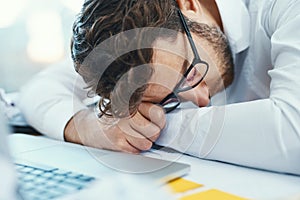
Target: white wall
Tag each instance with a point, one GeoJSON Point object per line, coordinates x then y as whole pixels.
{"type": "Point", "coordinates": [33, 35]}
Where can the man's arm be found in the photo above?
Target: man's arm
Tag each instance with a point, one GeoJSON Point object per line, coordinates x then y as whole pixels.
{"type": "Point", "coordinates": [264, 133]}
{"type": "Point", "coordinates": [48, 100]}
{"type": "Point", "coordinates": [132, 134]}
{"type": "Point", "coordinates": [53, 104]}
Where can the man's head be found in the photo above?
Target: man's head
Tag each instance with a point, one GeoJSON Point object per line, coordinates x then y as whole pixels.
{"type": "Point", "coordinates": [164, 55]}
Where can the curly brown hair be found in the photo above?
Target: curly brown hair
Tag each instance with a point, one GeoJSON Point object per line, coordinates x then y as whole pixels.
{"type": "Point", "coordinates": [98, 21]}
{"type": "Point", "coordinates": [107, 57]}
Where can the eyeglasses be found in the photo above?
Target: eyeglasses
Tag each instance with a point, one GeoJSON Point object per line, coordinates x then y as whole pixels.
{"type": "Point", "coordinates": [191, 78]}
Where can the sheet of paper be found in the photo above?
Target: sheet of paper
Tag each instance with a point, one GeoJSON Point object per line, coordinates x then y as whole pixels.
{"type": "Point", "coordinates": [182, 185]}
{"type": "Point", "coordinates": [211, 194]}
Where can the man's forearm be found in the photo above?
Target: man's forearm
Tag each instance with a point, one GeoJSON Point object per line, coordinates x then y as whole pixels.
{"type": "Point", "coordinates": [255, 134]}
{"type": "Point", "coordinates": [70, 133]}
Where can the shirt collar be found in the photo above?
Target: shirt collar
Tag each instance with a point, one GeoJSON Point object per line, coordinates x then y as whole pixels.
{"type": "Point", "coordinates": [236, 23]}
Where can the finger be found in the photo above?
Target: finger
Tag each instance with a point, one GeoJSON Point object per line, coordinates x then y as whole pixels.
{"type": "Point", "coordinates": [119, 142]}
{"type": "Point", "coordinates": [139, 143]}
{"type": "Point", "coordinates": [145, 127]}
{"type": "Point", "coordinates": [135, 138]}
{"type": "Point", "coordinates": [128, 148]}
{"type": "Point", "coordinates": [153, 113]}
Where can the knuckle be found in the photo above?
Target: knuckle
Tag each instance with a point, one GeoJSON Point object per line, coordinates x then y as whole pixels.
{"type": "Point", "coordinates": [143, 145]}
{"type": "Point", "coordinates": [155, 132]}
{"type": "Point", "coordinates": [146, 145]}
{"type": "Point", "coordinates": [160, 117]}
{"type": "Point", "coordinates": [160, 114]}
{"type": "Point", "coordinates": [120, 144]}
{"type": "Point", "coordinates": [127, 148]}
{"type": "Point", "coordinates": [155, 137]}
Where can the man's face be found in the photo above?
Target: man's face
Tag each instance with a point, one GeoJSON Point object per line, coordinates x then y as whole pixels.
{"type": "Point", "coordinates": [171, 59]}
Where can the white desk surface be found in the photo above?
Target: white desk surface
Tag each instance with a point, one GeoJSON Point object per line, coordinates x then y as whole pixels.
{"type": "Point", "coordinates": [241, 181]}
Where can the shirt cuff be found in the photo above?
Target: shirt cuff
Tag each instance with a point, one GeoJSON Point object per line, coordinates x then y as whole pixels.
{"type": "Point", "coordinates": [186, 131]}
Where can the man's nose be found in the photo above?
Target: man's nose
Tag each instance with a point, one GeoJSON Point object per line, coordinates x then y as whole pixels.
{"type": "Point", "coordinates": [198, 95]}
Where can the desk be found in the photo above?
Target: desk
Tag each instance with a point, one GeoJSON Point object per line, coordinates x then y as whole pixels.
{"type": "Point", "coordinates": [241, 181]}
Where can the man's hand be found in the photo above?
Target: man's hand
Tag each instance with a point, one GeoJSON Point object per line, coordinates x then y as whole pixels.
{"type": "Point", "coordinates": [131, 135]}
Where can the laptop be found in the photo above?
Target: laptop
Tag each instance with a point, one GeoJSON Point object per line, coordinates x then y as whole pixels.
{"type": "Point", "coordinates": [49, 169]}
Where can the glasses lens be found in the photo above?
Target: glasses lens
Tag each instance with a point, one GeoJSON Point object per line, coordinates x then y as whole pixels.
{"type": "Point", "coordinates": [194, 77]}
{"type": "Point", "coordinates": [170, 103]}
{"type": "Point", "coordinates": [171, 106]}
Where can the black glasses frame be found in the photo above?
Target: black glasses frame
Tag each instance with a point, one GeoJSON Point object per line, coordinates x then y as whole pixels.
{"type": "Point", "coordinates": [196, 60]}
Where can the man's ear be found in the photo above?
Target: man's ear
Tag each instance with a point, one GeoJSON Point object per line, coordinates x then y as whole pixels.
{"type": "Point", "coordinates": [190, 8]}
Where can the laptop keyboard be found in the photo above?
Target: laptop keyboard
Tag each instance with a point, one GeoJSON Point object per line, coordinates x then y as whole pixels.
{"type": "Point", "coordinates": [48, 183]}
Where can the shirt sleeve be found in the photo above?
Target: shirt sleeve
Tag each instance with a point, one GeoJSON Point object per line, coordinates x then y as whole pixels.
{"type": "Point", "coordinates": [51, 98]}
{"type": "Point", "coordinates": [264, 133]}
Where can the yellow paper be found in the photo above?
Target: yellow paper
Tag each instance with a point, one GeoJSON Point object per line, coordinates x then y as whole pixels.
{"type": "Point", "coordinates": [212, 195]}
{"type": "Point", "coordinates": [182, 185]}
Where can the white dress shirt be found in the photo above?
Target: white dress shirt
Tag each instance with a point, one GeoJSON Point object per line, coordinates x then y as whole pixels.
{"type": "Point", "coordinates": [265, 131]}
{"type": "Point", "coordinates": [260, 125]}
{"type": "Point", "coordinates": [52, 97]}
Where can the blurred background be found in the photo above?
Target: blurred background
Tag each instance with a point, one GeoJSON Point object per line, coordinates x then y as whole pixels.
{"type": "Point", "coordinates": [34, 34]}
